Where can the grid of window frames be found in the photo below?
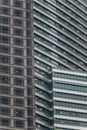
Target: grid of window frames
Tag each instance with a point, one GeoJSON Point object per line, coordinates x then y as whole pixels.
{"type": "Point", "coordinates": [70, 96]}
{"type": "Point", "coordinates": [15, 51]}
{"type": "Point", "coordinates": [60, 41]}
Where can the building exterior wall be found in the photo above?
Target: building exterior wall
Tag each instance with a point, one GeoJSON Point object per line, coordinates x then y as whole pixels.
{"type": "Point", "coordinates": [60, 41]}
{"type": "Point", "coordinates": [70, 100]}
{"type": "Point", "coordinates": [16, 65]}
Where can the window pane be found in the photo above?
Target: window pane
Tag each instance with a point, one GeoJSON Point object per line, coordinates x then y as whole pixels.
{"type": "Point", "coordinates": [28, 33]}
{"type": "Point", "coordinates": [18, 71]}
{"type": "Point", "coordinates": [29, 81]}
{"type": "Point", "coordinates": [29, 61]}
{"type": "Point", "coordinates": [4, 59]}
{"type": "Point", "coordinates": [30, 101]}
{"type": "Point", "coordinates": [29, 52]}
{"type": "Point", "coordinates": [29, 71]}
{"type": "Point", "coordinates": [4, 39]}
{"type": "Point", "coordinates": [18, 31]}
{"type": "Point", "coordinates": [18, 61]}
{"type": "Point", "coordinates": [4, 49]}
{"type": "Point", "coordinates": [4, 10]}
{"type": "Point", "coordinates": [19, 91]}
{"type": "Point", "coordinates": [18, 51]}
{"type": "Point", "coordinates": [18, 41]}
{"type": "Point", "coordinates": [18, 102]}
{"type": "Point", "coordinates": [5, 122]}
{"type": "Point", "coordinates": [28, 15]}
{"type": "Point", "coordinates": [5, 2]}
{"type": "Point", "coordinates": [18, 3]}
{"type": "Point", "coordinates": [29, 43]}
{"type": "Point", "coordinates": [5, 110]}
{"type": "Point", "coordinates": [18, 22]}
{"type": "Point", "coordinates": [4, 29]}
{"type": "Point", "coordinates": [4, 100]}
{"type": "Point", "coordinates": [4, 69]}
{"type": "Point", "coordinates": [30, 91]}
{"type": "Point", "coordinates": [30, 111]}
{"type": "Point", "coordinates": [30, 121]}
{"type": "Point", "coordinates": [5, 79]}
{"type": "Point", "coordinates": [18, 13]}
{"type": "Point", "coordinates": [4, 20]}
{"type": "Point", "coordinates": [18, 112]}
{"type": "Point", "coordinates": [5, 89]}
{"type": "Point", "coordinates": [19, 123]}
{"type": "Point", "coordinates": [18, 81]}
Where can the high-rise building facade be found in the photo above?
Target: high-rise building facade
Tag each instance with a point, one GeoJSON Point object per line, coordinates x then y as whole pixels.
{"type": "Point", "coordinates": [70, 100]}
{"type": "Point", "coordinates": [16, 65]}
{"type": "Point", "coordinates": [60, 39]}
